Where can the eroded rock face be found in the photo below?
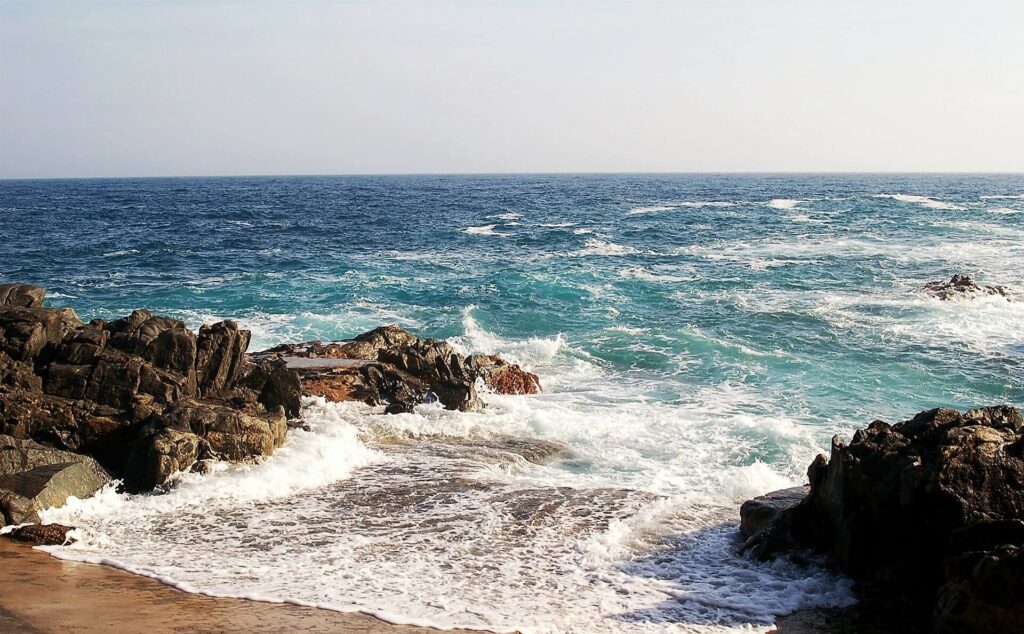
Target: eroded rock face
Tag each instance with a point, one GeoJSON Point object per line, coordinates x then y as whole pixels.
{"type": "Point", "coordinates": [142, 394]}
{"type": "Point", "coordinates": [962, 286]}
{"type": "Point", "coordinates": [933, 502]}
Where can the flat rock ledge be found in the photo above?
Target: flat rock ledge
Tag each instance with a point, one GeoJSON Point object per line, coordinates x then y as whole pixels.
{"type": "Point", "coordinates": [928, 513]}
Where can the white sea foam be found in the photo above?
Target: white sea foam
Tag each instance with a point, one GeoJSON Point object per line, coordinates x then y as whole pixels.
{"type": "Point", "coordinates": [641, 273]}
{"type": "Point", "coordinates": [1003, 197]}
{"type": "Point", "coordinates": [557, 225]}
{"type": "Point", "coordinates": [393, 515]}
{"type": "Point", "coordinates": [649, 210]}
{"type": "Point", "coordinates": [785, 203]}
{"type": "Point", "coordinates": [485, 230]}
{"type": "Point", "coordinates": [1005, 211]}
{"type": "Point", "coordinates": [686, 204]}
{"type": "Point", "coordinates": [924, 201]}
{"type": "Point", "coordinates": [582, 231]}
{"type": "Point", "coordinates": [603, 248]}
{"type": "Point", "coordinates": [114, 254]}
{"type": "Point", "coordinates": [509, 215]}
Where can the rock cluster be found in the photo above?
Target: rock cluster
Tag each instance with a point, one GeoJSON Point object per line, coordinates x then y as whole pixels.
{"type": "Point", "coordinates": [930, 509]}
{"type": "Point", "coordinates": [143, 395]}
{"type": "Point", "coordinates": [391, 366]}
{"type": "Point", "coordinates": [962, 286]}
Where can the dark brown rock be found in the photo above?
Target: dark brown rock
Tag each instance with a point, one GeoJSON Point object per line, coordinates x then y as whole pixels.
{"type": "Point", "coordinates": [933, 502]}
{"type": "Point", "coordinates": [275, 385]}
{"type": "Point", "coordinates": [219, 357]}
{"type": "Point", "coordinates": [42, 534]}
{"type": "Point", "coordinates": [962, 286]}
{"type": "Point", "coordinates": [503, 377]}
{"type": "Point", "coordinates": [21, 295]}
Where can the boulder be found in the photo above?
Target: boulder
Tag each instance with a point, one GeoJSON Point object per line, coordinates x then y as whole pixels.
{"type": "Point", "coordinates": [34, 477]}
{"type": "Point", "coordinates": [21, 295]}
{"type": "Point", "coordinates": [962, 286]}
{"type": "Point", "coordinates": [762, 511]}
{"type": "Point", "coordinates": [933, 502]}
{"type": "Point", "coordinates": [42, 534]}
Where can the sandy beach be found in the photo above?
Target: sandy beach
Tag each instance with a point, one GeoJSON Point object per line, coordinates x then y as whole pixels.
{"type": "Point", "coordinates": [41, 594]}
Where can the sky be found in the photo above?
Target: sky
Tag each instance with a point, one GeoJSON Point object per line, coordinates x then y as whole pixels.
{"type": "Point", "coordinates": [162, 88]}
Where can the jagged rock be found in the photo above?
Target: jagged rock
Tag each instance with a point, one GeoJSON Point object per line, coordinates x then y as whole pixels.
{"type": "Point", "coordinates": [219, 356]}
{"type": "Point", "coordinates": [42, 534]}
{"type": "Point", "coordinates": [34, 477]}
{"type": "Point", "coordinates": [369, 344]}
{"type": "Point", "coordinates": [438, 365]}
{"type": "Point", "coordinates": [503, 377]}
{"type": "Point", "coordinates": [275, 386]}
{"type": "Point", "coordinates": [962, 286]}
{"type": "Point", "coordinates": [161, 456]}
{"type": "Point", "coordinates": [142, 394]}
{"type": "Point", "coordinates": [26, 332]}
{"type": "Point", "coordinates": [904, 508]}
{"type": "Point", "coordinates": [21, 295]}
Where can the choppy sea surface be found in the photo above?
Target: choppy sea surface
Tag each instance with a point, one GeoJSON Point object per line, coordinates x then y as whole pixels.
{"type": "Point", "coordinates": [699, 338]}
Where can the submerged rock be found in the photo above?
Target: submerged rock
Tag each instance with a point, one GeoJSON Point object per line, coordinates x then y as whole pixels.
{"type": "Point", "coordinates": [503, 377]}
{"type": "Point", "coordinates": [929, 509]}
{"type": "Point", "coordinates": [962, 286]}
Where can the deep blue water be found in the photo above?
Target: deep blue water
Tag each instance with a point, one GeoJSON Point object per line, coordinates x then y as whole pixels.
{"type": "Point", "coordinates": [813, 305]}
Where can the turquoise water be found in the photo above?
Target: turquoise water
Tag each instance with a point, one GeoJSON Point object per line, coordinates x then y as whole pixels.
{"type": "Point", "coordinates": [699, 337]}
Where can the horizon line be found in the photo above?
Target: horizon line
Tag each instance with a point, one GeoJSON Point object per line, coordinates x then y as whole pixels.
{"type": "Point", "coordinates": [527, 173]}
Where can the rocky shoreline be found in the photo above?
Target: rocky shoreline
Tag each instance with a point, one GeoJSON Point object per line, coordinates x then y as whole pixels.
{"type": "Point", "coordinates": [142, 398]}
{"type": "Point", "coordinates": [927, 516]}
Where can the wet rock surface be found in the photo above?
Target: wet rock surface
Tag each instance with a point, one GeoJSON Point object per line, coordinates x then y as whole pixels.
{"type": "Point", "coordinates": [42, 534]}
{"type": "Point", "coordinates": [960, 286]}
{"type": "Point", "coordinates": [143, 395]}
{"type": "Point", "coordinates": [390, 366]}
{"type": "Point", "coordinates": [930, 510]}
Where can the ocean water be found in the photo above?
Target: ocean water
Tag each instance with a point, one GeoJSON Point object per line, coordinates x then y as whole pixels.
{"type": "Point", "coordinates": [699, 338]}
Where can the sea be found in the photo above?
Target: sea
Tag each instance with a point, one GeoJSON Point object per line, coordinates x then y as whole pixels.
{"type": "Point", "coordinates": [700, 338]}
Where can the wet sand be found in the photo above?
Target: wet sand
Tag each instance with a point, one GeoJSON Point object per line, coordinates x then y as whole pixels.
{"type": "Point", "coordinates": [40, 594]}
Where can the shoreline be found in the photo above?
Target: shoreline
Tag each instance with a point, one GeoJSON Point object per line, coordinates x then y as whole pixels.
{"type": "Point", "coordinates": [40, 594]}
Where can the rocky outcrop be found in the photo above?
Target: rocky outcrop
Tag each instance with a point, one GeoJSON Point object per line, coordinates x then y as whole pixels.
{"type": "Point", "coordinates": [143, 395]}
{"type": "Point", "coordinates": [930, 509]}
{"type": "Point", "coordinates": [393, 367]}
{"type": "Point", "coordinates": [34, 477]}
{"type": "Point", "coordinates": [962, 286]}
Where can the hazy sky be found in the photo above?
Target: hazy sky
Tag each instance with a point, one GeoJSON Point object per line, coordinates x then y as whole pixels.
{"type": "Point", "coordinates": [151, 87]}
